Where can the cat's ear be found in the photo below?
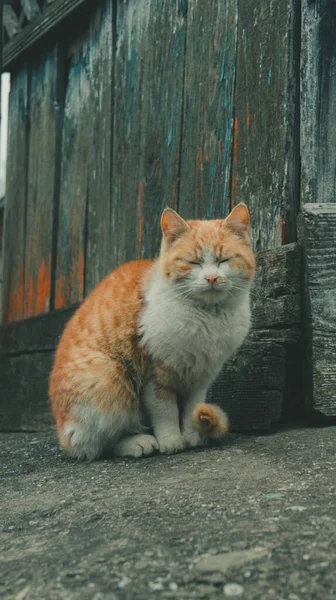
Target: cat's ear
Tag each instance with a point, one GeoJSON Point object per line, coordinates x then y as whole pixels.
{"type": "Point", "coordinates": [239, 221]}
{"type": "Point", "coordinates": [172, 225]}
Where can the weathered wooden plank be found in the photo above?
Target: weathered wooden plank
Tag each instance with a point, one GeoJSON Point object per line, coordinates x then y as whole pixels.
{"type": "Point", "coordinates": [10, 21]}
{"type": "Point", "coordinates": [40, 26]}
{"type": "Point", "coordinates": [41, 181]}
{"type": "Point", "coordinates": [147, 122]}
{"type": "Point", "coordinates": [278, 272]}
{"type": "Point", "coordinates": [35, 334]}
{"type": "Point", "coordinates": [318, 101]}
{"type": "Point", "coordinates": [276, 289]}
{"type": "Point", "coordinates": [84, 237]}
{"type": "Point", "coordinates": [251, 386]}
{"type": "Point", "coordinates": [15, 208]}
{"type": "Point", "coordinates": [266, 146]}
{"type": "Point", "coordinates": [99, 104]}
{"type": "Point", "coordinates": [208, 108]}
{"type": "Point", "coordinates": [317, 229]}
{"type": "Point", "coordinates": [31, 9]}
{"type": "Point", "coordinates": [76, 145]}
{"type": "Point", "coordinates": [24, 402]}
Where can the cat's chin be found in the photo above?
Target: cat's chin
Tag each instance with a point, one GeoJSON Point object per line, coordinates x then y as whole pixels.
{"type": "Point", "coordinates": [211, 296]}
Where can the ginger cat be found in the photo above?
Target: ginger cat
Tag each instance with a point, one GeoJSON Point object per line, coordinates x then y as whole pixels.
{"type": "Point", "coordinates": [144, 347]}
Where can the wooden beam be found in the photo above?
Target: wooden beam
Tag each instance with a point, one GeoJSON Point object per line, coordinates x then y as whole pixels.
{"type": "Point", "coordinates": [318, 101]}
{"type": "Point", "coordinates": [37, 334]}
{"type": "Point", "coordinates": [24, 402]}
{"type": "Point", "coordinates": [265, 164]}
{"type": "Point", "coordinates": [208, 108]}
{"type": "Point", "coordinates": [147, 123]}
{"type": "Point", "coordinates": [15, 201]}
{"type": "Point", "coordinates": [40, 183]}
{"type": "Point", "coordinates": [29, 35]}
{"type": "Point", "coordinates": [10, 21]}
{"type": "Point", "coordinates": [317, 231]}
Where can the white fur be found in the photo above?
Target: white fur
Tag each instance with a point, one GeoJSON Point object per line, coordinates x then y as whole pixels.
{"type": "Point", "coordinates": [94, 429]}
{"type": "Point", "coordinates": [194, 337]}
{"type": "Point", "coordinates": [194, 329]}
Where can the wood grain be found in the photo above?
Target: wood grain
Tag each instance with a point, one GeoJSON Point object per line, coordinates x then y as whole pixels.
{"type": "Point", "coordinates": [41, 180]}
{"type": "Point", "coordinates": [24, 404]}
{"type": "Point", "coordinates": [76, 142]}
{"type": "Point", "coordinates": [318, 101]}
{"type": "Point", "coordinates": [266, 144]}
{"type": "Point", "coordinates": [38, 333]}
{"type": "Point", "coordinates": [99, 168]}
{"type": "Point", "coordinates": [208, 108]}
{"type": "Point", "coordinates": [147, 122]}
{"type": "Point", "coordinates": [33, 32]}
{"type": "Point", "coordinates": [251, 386]}
{"type": "Point", "coordinates": [15, 203]}
{"type": "Point", "coordinates": [10, 21]}
{"type": "Point", "coordinates": [318, 239]}
{"type": "Point", "coordinates": [84, 236]}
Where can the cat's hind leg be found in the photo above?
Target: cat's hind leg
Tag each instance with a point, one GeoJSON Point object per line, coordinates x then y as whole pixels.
{"type": "Point", "coordinates": [92, 430]}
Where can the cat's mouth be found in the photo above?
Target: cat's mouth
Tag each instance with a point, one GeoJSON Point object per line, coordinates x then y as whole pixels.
{"type": "Point", "coordinates": [211, 294]}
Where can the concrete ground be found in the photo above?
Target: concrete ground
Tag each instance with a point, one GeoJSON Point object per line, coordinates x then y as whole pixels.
{"type": "Point", "coordinates": [252, 519]}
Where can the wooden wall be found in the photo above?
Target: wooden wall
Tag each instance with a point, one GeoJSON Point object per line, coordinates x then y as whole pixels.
{"type": "Point", "coordinates": [191, 104]}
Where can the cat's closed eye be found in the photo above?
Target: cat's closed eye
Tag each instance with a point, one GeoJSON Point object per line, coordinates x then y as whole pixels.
{"type": "Point", "coordinates": [194, 262]}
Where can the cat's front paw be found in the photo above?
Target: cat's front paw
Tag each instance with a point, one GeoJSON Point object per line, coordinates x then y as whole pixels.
{"type": "Point", "coordinates": [193, 439]}
{"type": "Point", "coordinates": [170, 444]}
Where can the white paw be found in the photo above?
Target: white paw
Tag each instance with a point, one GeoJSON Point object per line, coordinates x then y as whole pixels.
{"type": "Point", "coordinates": [136, 446]}
{"type": "Point", "coordinates": [193, 439]}
{"type": "Point", "coordinates": [170, 444]}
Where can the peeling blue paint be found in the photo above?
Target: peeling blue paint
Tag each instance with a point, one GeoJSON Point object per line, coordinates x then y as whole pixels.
{"type": "Point", "coordinates": [170, 136]}
{"type": "Point", "coordinates": [269, 76]}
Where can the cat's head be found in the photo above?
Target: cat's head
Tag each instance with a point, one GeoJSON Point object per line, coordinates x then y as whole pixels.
{"type": "Point", "coordinates": [208, 261]}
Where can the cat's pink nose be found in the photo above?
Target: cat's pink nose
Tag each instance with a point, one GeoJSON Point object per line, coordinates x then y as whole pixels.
{"type": "Point", "coordinates": [211, 279]}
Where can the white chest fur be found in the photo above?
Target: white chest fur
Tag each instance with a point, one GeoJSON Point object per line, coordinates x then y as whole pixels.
{"type": "Point", "coordinates": [194, 341]}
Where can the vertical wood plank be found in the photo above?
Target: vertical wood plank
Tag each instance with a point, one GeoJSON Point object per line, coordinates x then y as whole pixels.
{"type": "Point", "coordinates": [73, 185]}
{"type": "Point", "coordinates": [15, 201]}
{"type": "Point", "coordinates": [147, 122]}
{"type": "Point", "coordinates": [208, 108]}
{"type": "Point", "coordinates": [317, 232]}
{"type": "Point", "coordinates": [41, 179]}
{"type": "Point", "coordinates": [85, 191]}
{"type": "Point", "coordinates": [265, 158]}
{"type": "Point", "coordinates": [318, 101]}
{"type": "Point", "coordinates": [101, 56]}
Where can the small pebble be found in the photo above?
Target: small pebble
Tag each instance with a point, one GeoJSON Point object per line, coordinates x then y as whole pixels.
{"type": "Point", "coordinates": [123, 582]}
{"type": "Point", "coordinates": [233, 590]}
{"type": "Point", "coordinates": [173, 586]}
{"type": "Point", "coordinates": [155, 586]}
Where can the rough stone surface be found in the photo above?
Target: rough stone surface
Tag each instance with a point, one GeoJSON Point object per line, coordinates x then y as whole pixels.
{"type": "Point", "coordinates": [137, 529]}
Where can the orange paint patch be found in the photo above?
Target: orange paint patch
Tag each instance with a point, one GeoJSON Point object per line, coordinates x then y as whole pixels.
{"type": "Point", "coordinates": [29, 303]}
{"type": "Point", "coordinates": [284, 232]}
{"type": "Point", "coordinates": [255, 122]}
{"type": "Point", "coordinates": [80, 276]}
{"type": "Point", "coordinates": [199, 159]}
{"type": "Point", "coordinates": [42, 302]}
{"type": "Point", "coordinates": [59, 297]}
{"type": "Point", "coordinates": [248, 117]}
